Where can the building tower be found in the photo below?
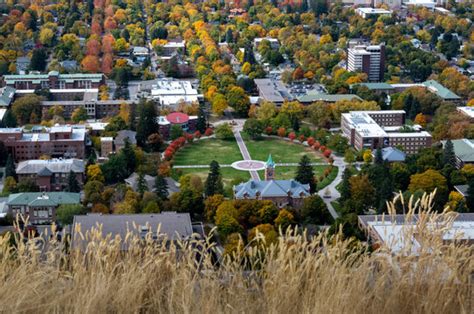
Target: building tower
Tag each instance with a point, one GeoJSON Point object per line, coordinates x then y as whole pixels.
{"type": "Point", "coordinates": [269, 169]}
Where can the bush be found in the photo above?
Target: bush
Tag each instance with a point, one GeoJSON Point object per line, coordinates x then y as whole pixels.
{"type": "Point", "coordinates": [224, 132]}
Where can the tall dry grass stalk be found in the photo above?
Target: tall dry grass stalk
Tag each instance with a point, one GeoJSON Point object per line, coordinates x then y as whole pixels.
{"type": "Point", "coordinates": [297, 275]}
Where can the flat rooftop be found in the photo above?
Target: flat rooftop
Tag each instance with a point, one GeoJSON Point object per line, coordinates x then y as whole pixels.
{"type": "Point", "coordinates": [272, 90]}
{"type": "Point", "coordinates": [363, 123]}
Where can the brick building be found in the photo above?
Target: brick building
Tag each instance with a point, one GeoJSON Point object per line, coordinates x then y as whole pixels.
{"type": "Point", "coordinates": [59, 141]}
{"type": "Point", "coordinates": [384, 128]}
{"type": "Point", "coordinates": [282, 193]}
{"type": "Point", "coordinates": [369, 59]}
{"type": "Point", "coordinates": [187, 123]}
{"type": "Point", "coordinates": [51, 174]}
{"type": "Point", "coordinates": [54, 81]}
{"type": "Point", "coordinates": [40, 207]}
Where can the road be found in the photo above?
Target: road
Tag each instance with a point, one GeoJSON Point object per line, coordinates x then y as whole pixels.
{"type": "Point", "coordinates": [242, 147]}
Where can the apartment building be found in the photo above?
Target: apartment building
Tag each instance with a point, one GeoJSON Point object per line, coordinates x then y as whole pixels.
{"type": "Point", "coordinates": [51, 174]}
{"type": "Point", "coordinates": [369, 59]}
{"type": "Point", "coordinates": [59, 141]}
{"type": "Point", "coordinates": [378, 129]}
{"type": "Point", "coordinates": [96, 109]}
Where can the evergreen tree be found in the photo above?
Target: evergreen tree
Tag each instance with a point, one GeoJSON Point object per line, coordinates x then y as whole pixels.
{"type": "Point", "coordinates": [449, 158]}
{"type": "Point", "coordinates": [345, 187]}
{"type": "Point", "coordinates": [142, 187]}
{"type": "Point", "coordinates": [470, 196]}
{"type": "Point", "coordinates": [378, 156]}
{"type": "Point", "coordinates": [146, 122]}
{"type": "Point", "coordinates": [10, 167]}
{"type": "Point", "coordinates": [305, 173]}
{"type": "Point", "coordinates": [229, 36]}
{"type": "Point", "coordinates": [214, 180]}
{"type": "Point", "coordinates": [161, 187]}
{"type": "Point", "coordinates": [384, 194]}
{"type": "Point", "coordinates": [132, 117]}
{"type": "Point", "coordinates": [9, 120]}
{"type": "Point", "coordinates": [129, 155]}
{"type": "Point", "coordinates": [248, 55]}
{"type": "Point", "coordinates": [72, 183]}
{"type": "Point", "coordinates": [38, 60]}
{"type": "Point", "coordinates": [201, 120]}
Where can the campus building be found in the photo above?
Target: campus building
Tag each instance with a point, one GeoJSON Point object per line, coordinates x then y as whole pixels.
{"type": "Point", "coordinates": [58, 141]}
{"type": "Point", "coordinates": [384, 128]}
{"type": "Point", "coordinates": [272, 90]}
{"type": "Point", "coordinates": [51, 174]}
{"type": "Point", "coordinates": [169, 93]}
{"type": "Point", "coordinates": [463, 150]}
{"type": "Point", "coordinates": [96, 109]}
{"type": "Point", "coordinates": [40, 207]}
{"type": "Point", "coordinates": [187, 123]}
{"type": "Point", "coordinates": [170, 226]}
{"type": "Point", "coordinates": [282, 193]}
{"type": "Point", "coordinates": [372, 12]}
{"type": "Point", "coordinates": [369, 59]}
{"type": "Point", "coordinates": [61, 86]}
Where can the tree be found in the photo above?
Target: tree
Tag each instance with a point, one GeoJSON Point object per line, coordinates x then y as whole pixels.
{"type": "Point", "coordinates": [151, 208]}
{"type": "Point", "coordinates": [253, 127]}
{"type": "Point", "coordinates": [305, 173]}
{"type": "Point", "coordinates": [72, 183]}
{"type": "Point", "coordinates": [39, 60]}
{"type": "Point", "coordinates": [79, 114]}
{"type": "Point", "coordinates": [238, 99]}
{"type": "Point", "coordinates": [267, 230]}
{"type": "Point", "coordinates": [428, 181]}
{"type": "Point", "coordinates": [367, 156]}
{"type": "Point", "coordinates": [147, 124]}
{"type": "Point", "coordinates": [66, 212]}
{"type": "Point", "coordinates": [129, 155]}
{"type": "Point", "coordinates": [213, 183]}
{"type": "Point", "coordinates": [10, 167]}
{"type": "Point", "coordinates": [449, 158]}
{"type": "Point", "coordinates": [176, 131]}
{"type": "Point", "coordinates": [91, 64]}
{"type": "Point", "coordinates": [115, 169]}
{"type": "Point", "coordinates": [201, 120]}
{"type": "Point", "coordinates": [9, 185]}
{"type": "Point", "coordinates": [378, 157]}
{"type": "Point", "coordinates": [315, 211]}
{"type": "Point", "coordinates": [27, 107]}
{"type": "Point", "coordinates": [284, 219]}
{"type": "Point", "coordinates": [345, 187]}
{"type": "Point", "coordinates": [470, 196]}
{"type": "Point", "coordinates": [210, 206]}
{"type": "Point", "coordinates": [219, 104]}
{"type": "Point", "coordinates": [142, 186]}
{"type": "Point", "coordinates": [94, 173]}
{"type": "Point", "coordinates": [9, 120]}
{"type": "Point", "coordinates": [161, 187]}
{"type": "Point", "coordinates": [226, 219]}
{"type": "Point", "coordinates": [224, 132]}
{"type": "Point", "coordinates": [362, 194]}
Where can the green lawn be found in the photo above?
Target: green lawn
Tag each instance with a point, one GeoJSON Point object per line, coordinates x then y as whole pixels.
{"type": "Point", "coordinates": [281, 150]}
{"type": "Point", "coordinates": [285, 173]}
{"type": "Point", "coordinates": [203, 152]}
{"type": "Point", "coordinates": [228, 174]}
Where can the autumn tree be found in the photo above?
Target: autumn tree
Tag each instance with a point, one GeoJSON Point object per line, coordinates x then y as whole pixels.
{"type": "Point", "coordinates": [27, 109]}
{"type": "Point", "coordinates": [91, 64]}
{"type": "Point", "coordinates": [238, 99]}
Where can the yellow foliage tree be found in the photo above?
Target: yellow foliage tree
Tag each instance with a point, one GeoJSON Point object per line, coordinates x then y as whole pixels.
{"type": "Point", "coordinates": [94, 173]}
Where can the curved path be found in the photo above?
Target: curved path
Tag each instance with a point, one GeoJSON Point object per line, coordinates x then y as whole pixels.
{"type": "Point", "coordinates": [334, 193]}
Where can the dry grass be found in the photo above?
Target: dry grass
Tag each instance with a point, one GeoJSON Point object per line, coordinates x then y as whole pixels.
{"type": "Point", "coordinates": [298, 275]}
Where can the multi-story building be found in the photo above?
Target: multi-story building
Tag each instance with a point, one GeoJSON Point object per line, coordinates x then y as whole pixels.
{"type": "Point", "coordinates": [40, 207]}
{"type": "Point", "coordinates": [378, 129]}
{"type": "Point", "coordinates": [61, 86]}
{"type": "Point", "coordinates": [282, 193]}
{"type": "Point", "coordinates": [106, 146]}
{"type": "Point", "coordinates": [369, 59]}
{"type": "Point", "coordinates": [187, 123]}
{"type": "Point", "coordinates": [96, 109]}
{"type": "Point", "coordinates": [59, 141]}
{"type": "Point", "coordinates": [463, 150]}
{"type": "Point", "coordinates": [170, 93]}
{"type": "Point", "coordinates": [369, 12]}
{"type": "Point", "coordinates": [51, 174]}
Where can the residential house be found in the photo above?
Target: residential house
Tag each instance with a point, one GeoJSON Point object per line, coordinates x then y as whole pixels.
{"type": "Point", "coordinates": [391, 154]}
{"type": "Point", "coordinates": [171, 184]}
{"type": "Point", "coordinates": [122, 136]}
{"type": "Point", "coordinates": [463, 150]}
{"type": "Point", "coordinates": [22, 64]}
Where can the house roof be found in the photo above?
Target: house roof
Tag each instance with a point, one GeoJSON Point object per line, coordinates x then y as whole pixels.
{"type": "Point", "coordinates": [271, 188]}
{"type": "Point", "coordinates": [6, 96]}
{"type": "Point", "coordinates": [440, 90]}
{"type": "Point", "coordinates": [43, 199]}
{"type": "Point", "coordinates": [50, 166]}
{"type": "Point", "coordinates": [463, 149]}
{"type": "Point", "coordinates": [313, 96]}
{"type": "Point", "coordinates": [170, 224]}
{"type": "Point", "coordinates": [391, 154]}
{"type": "Point", "coordinates": [171, 184]}
{"type": "Point", "coordinates": [375, 86]}
{"type": "Point", "coordinates": [177, 118]}
{"type": "Point", "coordinates": [126, 134]}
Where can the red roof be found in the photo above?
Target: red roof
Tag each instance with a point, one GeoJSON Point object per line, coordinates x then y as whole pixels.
{"type": "Point", "coordinates": [177, 118]}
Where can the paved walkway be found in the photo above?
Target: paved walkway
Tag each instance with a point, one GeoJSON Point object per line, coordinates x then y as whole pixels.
{"type": "Point", "coordinates": [334, 193]}
{"type": "Point", "coordinates": [243, 148]}
{"type": "Point", "coordinates": [290, 164]}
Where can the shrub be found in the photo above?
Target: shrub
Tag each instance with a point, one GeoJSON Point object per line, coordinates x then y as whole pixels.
{"type": "Point", "coordinates": [310, 140]}
{"type": "Point", "coordinates": [327, 153]}
{"type": "Point", "coordinates": [281, 132]}
{"type": "Point", "coordinates": [208, 132]}
{"type": "Point", "coordinates": [197, 134]}
{"type": "Point", "coordinates": [292, 136]}
{"type": "Point", "coordinates": [268, 130]}
{"type": "Point", "coordinates": [301, 138]}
